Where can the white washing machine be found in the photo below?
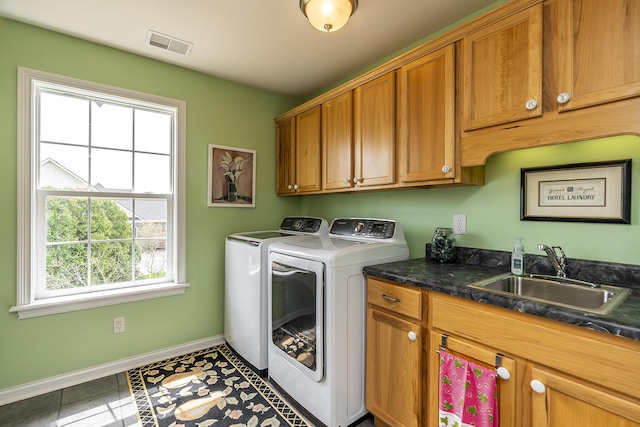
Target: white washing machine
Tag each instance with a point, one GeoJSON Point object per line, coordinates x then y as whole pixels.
{"type": "Point", "coordinates": [317, 312]}
{"type": "Point", "coordinates": [245, 297]}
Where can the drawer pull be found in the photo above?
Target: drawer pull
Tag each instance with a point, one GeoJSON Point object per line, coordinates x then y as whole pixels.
{"type": "Point", "coordinates": [390, 299]}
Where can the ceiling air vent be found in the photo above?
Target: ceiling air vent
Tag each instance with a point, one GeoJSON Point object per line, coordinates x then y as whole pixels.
{"type": "Point", "coordinates": [169, 43]}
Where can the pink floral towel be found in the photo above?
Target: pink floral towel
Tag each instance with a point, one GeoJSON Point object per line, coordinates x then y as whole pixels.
{"type": "Point", "coordinates": [468, 393]}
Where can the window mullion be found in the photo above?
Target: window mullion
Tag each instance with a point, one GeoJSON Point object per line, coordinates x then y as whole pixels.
{"type": "Point", "coordinates": [89, 242]}
{"type": "Point", "coordinates": [90, 200]}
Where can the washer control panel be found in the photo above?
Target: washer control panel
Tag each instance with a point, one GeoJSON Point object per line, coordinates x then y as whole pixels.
{"type": "Point", "coordinates": [302, 224]}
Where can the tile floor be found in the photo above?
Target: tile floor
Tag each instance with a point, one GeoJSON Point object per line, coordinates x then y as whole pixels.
{"type": "Point", "coordinates": [99, 403]}
{"type": "Point", "coordinates": [102, 402]}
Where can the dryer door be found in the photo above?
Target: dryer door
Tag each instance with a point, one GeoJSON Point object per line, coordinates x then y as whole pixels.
{"type": "Point", "coordinates": [297, 316]}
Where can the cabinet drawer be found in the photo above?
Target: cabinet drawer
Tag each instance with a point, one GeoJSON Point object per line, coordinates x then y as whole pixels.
{"type": "Point", "coordinates": [398, 299]}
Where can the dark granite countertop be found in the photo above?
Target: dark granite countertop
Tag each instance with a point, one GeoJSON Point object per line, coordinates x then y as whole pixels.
{"type": "Point", "coordinates": [478, 265]}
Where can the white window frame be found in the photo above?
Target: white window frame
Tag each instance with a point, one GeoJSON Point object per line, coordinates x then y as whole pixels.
{"type": "Point", "coordinates": [27, 305]}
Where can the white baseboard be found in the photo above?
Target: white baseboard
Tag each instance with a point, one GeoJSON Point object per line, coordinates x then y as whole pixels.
{"type": "Point", "coordinates": [25, 391]}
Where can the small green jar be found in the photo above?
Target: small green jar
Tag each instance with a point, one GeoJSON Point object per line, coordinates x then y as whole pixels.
{"type": "Point", "coordinates": [443, 246]}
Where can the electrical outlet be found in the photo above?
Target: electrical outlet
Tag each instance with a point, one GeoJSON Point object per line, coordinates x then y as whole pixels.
{"type": "Point", "coordinates": [118, 325]}
{"type": "Point", "coordinates": [459, 224]}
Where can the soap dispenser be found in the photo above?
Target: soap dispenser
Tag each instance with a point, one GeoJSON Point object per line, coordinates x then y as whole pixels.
{"type": "Point", "coordinates": [517, 258]}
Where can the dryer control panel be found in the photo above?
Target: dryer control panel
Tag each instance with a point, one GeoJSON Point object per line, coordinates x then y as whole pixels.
{"type": "Point", "coordinates": [364, 227]}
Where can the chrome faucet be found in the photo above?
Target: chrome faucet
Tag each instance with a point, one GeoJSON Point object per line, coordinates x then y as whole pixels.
{"type": "Point", "coordinates": [559, 263]}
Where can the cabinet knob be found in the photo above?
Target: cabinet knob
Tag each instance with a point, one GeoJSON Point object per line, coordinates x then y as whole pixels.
{"type": "Point", "coordinates": [538, 386]}
{"type": "Point", "coordinates": [531, 104]}
{"type": "Point", "coordinates": [412, 336]}
{"type": "Point", "coordinates": [446, 169]}
{"type": "Point", "coordinates": [290, 187]}
{"type": "Point", "coordinates": [503, 373]}
{"type": "Point", "coordinates": [346, 180]}
{"type": "Point", "coordinates": [295, 187]}
{"type": "Point", "coordinates": [356, 180]}
{"type": "Point", "coordinates": [563, 98]}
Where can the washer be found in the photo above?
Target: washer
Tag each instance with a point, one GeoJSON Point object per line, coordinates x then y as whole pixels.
{"type": "Point", "coordinates": [245, 299]}
{"type": "Point", "coordinates": [317, 312]}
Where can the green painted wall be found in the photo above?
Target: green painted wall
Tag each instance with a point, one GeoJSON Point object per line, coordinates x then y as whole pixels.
{"type": "Point", "coordinates": [218, 112]}
{"type": "Point", "coordinates": [412, 46]}
{"type": "Point", "coordinates": [493, 210]}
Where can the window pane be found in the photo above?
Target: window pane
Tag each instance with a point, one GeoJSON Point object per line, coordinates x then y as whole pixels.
{"type": "Point", "coordinates": [151, 218]}
{"type": "Point", "coordinates": [111, 262]}
{"type": "Point", "coordinates": [111, 219]}
{"type": "Point", "coordinates": [66, 220]}
{"type": "Point", "coordinates": [153, 173]}
{"type": "Point", "coordinates": [64, 167]}
{"type": "Point", "coordinates": [111, 170]}
{"type": "Point", "coordinates": [153, 258]}
{"type": "Point", "coordinates": [64, 119]}
{"type": "Point", "coordinates": [153, 132]}
{"type": "Point", "coordinates": [66, 266]}
{"type": "Point", "coordinates": [111, 126]}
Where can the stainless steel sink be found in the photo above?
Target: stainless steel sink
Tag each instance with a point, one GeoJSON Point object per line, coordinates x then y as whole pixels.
{"type": "Point", "coordinates": [575, 294]}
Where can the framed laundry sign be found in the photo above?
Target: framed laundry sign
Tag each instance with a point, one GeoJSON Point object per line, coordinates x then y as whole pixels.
{"type": "Point", "coordinates": [585, 192]}
{"type": "Point", "coordinates": [232, 177]}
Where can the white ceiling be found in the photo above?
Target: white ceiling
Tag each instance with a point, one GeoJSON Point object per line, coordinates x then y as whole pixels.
{"type": "Point", "coordinates": [267, 44]}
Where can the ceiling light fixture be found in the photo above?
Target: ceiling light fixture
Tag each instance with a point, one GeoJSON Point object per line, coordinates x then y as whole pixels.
{"type": "Point", "coordinates": [328, 15]}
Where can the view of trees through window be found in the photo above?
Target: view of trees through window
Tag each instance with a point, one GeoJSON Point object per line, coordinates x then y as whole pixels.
{"type": "Point", "coordinates": [105, 192]}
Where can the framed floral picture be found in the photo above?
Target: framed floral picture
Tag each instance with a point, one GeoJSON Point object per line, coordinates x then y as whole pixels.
{"type": "Point", "coordinates": [232, 177]}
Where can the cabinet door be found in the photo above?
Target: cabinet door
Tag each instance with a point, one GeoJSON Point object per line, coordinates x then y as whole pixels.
{"type": "Point", "coordinates": [375, 131]}
{"type": "Point", "coordinates": [337, 142]}
{"type": "Point", "coordinates": [599, 51]}
{"type": "Point", "coordinates": [564, 401]}
{"type": "Point", "coordinates": [503, 71]}
{"type": "Point", "coordinates": [285, 156]}
{"type": "Point", "coordinates": [308, 161]}
{"type": "Point", "coordinates": [393, 369]}
{"type": "Point", "coordinates": [426, 110]}
{"type": "Point", "coordinates": [507, 388]}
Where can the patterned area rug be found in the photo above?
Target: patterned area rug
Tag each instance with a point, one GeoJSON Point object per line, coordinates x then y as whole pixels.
{"type": "Point", "coordinates": [207, 387]}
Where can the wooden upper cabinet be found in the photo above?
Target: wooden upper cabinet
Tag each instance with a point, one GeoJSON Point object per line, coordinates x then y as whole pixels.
{"type": "Point", "coordinates": [503, 71]}
{"type": "Point", "coordinates": [285, 156]}
{"type": "Point", "coordinates": [426, 137]}
{"type": "Point", "coordinates": [337, 142]}
{"type": "Point", "coordinates": [307, 151]}
{"type": "Point", "coordinates": [599, 51]}
{"type": "Point", "coordinates": [375, 131]}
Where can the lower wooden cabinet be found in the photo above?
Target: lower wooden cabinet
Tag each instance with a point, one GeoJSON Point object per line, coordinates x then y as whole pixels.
{"type": "Point", "coordinates": [558, 374]}
{"type": "Point", "coordinates": [394, 369]}
{"type": "Point", "coordinates": [394, 362]}
{"type": "Point", "coordinates": [565, 375]}
{"type": "Point", "coordinates": [473, 352]}
{"type": "Point", "coordinates": [560, 400]}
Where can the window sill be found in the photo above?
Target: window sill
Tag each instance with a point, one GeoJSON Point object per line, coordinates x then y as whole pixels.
{"type": "Point", "coordinates": [97, 299]}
